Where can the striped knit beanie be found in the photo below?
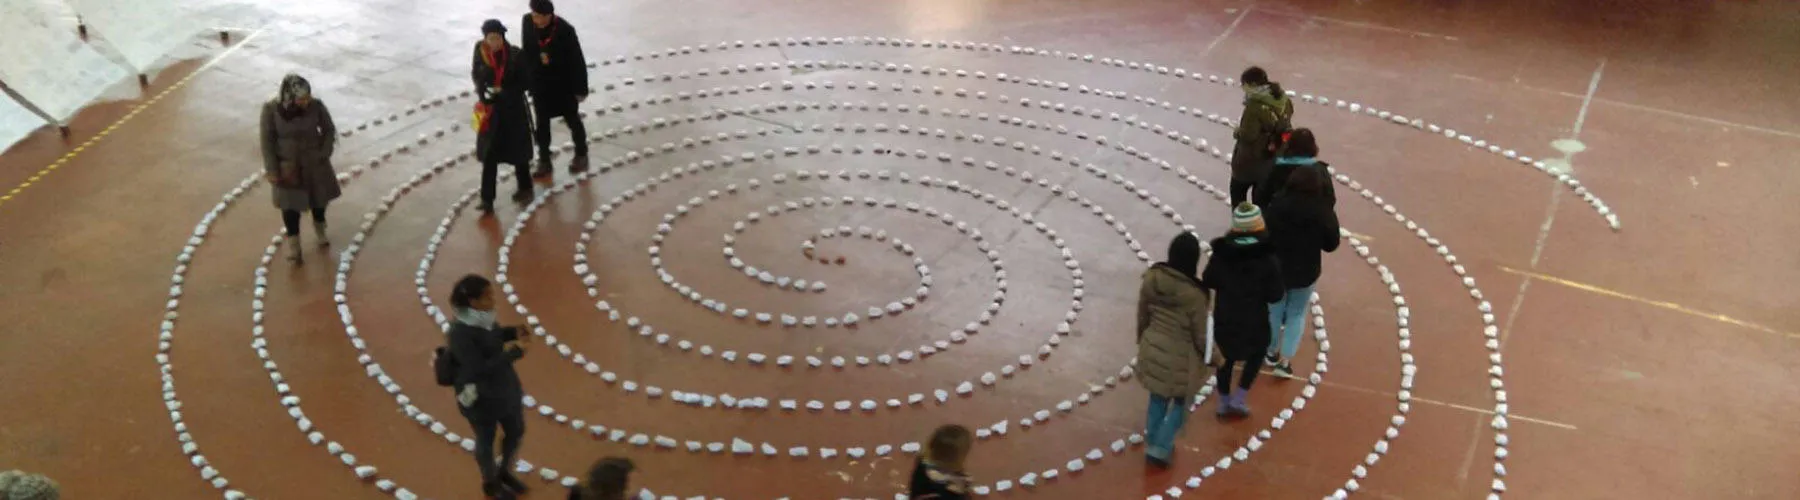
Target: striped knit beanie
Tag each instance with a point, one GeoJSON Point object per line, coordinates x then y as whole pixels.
{"type": "Point", "coordinates": [20, 485]}
{"type": "Point", "coordinates": [1246, 218]}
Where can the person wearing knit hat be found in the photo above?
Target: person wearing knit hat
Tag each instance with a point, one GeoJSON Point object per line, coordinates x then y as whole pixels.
{"type": "Point", "coordinates": [1245, 277]}
{"type": "Point", "coordinates": [502, 123]}
{"type": "Point", "coordinates": [21, 485]}
{"type": "Point", "coordinates": [559, 81]}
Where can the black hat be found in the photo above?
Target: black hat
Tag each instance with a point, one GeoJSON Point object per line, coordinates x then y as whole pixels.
{"type": "Point", "coordinates": [543, 7]}
{"type": "Point", "coordinates": [492, 26]}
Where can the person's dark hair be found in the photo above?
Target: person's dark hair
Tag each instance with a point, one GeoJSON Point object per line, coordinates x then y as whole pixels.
{"type": "Point", "coordinates": [1306, 181]}
{"type": "Point", "coordinates": [1255, 75]}
{"type": "Point", "coordinates": [467, 290]}
{"type": "Point", "coordinates": [607, 479]}
{"type": "Point", "coordinates": [543, 7]}
{"type": "Point", "coordinates": [1184, 254]}
{"type": "Point", "coordinates": [1300, 143]}
{"type": "Point", "coordinates": [949, 446]}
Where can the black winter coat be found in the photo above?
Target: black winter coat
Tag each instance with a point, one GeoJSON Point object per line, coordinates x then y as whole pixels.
{"type": "Point", "coordinates": [566, 74]}
{"type": "Point", "coordinates": [1300, 227]}
{"type": "Point", "coordinates": [1245, 277]}
{"type": "Point", "coordinates": [483, 359]}
{"type": "Point", "coordinates": [1278, 179]}
{"type": "Point", "coordinates": [508, 135]}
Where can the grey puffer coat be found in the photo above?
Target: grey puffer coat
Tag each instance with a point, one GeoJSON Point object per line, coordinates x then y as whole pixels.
{"type": "Point", "coordinates": [305, 141]}
{"type": "Point", "coordinates": [1171, 326]}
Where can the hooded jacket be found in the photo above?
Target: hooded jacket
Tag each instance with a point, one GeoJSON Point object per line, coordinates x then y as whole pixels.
{"type": "Point", "coordinates": [1171, 328]}
{"type": "Point", "coordinates": [1265, 116]}
{"type": "Point", "coordinates": [1245, 276]}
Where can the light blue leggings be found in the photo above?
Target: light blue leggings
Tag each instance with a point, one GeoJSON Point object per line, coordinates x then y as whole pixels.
{"type": "Point", "coordinates": [1290, 311]}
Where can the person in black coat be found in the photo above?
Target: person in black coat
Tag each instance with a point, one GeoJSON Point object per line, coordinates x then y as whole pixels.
{"type": "Point", "coordinates": [488, 392]}
{"type": "Point", "coordinates": [607, 479]}
{"type": "Point", "coordinates": [1245, 277]}
{"type": "Point", "coordinates": [503, 132]}
{"type": "Point", "coordinates": [560, 82]}
{"type": "Point", "coordinates": [938, 473]}
{"type": "Point", "coordinates": [1302, 225]}
{"type": "Point", "coordinates": [1301, 151]}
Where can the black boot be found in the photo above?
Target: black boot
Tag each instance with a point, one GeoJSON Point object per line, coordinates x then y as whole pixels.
{"type": "Point", "coordinates": [493, 490]}
{"type": "Point", "coordinates": [513, 484]}
{"type": "Point", "coordinates": [524, 195]}
{"type": "Point", "coordinates": [578, 164]}
{"type": "Point", "coordinates": [544, 168]}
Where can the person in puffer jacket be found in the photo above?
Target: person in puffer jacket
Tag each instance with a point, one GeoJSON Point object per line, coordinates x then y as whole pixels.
{"type": "Point", "coordinates": [1171, 336]}
{"type": "Point", "coordinates": [1245, 277]}
{"type": "Point", "coordinates": [1267, 114]}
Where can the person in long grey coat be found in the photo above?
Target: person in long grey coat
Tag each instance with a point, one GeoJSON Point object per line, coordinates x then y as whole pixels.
{"type": "Point", "coordinates": [298, 138]}
{"type": "Point", "coordinates": [501, 77]}
{"type": "Point", "coordinates": [1171, 335]}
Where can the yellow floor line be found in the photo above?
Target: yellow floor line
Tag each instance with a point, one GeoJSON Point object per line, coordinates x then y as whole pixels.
{"type": "Point", "coordinates": [64, 159]}
{"type": "Point", "coordinates": [1652, 302]}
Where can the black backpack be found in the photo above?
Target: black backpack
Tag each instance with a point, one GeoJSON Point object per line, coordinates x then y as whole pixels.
{"type": "Point", "coordinates": [445, 366]}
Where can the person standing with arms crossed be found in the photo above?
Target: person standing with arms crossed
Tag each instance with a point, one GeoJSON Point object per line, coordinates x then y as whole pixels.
{"type": "Point", "coordinates": [560, 83]}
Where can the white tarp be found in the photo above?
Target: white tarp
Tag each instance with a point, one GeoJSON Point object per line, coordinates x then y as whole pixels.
{"type": "Point", "coordinates": [143, 31]}
{"type": "Point", "coordinates": [16, 122]}
{"type": "Point", "coordinates": [48, 64]}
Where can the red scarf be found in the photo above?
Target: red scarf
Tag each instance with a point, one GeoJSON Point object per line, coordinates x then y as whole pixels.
{"type": "Point", "coordinates": [490, 57]}
{"type": "Point", "coordinates": [544, 41]}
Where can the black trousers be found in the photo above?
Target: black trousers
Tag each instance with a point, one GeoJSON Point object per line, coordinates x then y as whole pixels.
{"type": "Point", "coordinates": [1252, 366]}
{"type": "Point", "coordinates": [512, 429]}
{"type": "Point", "coordinates": [490, 173]}
{"type": "Point", "coordinates": [291, 219]}
{"type": "Point", "coordinates": [1240, 191]}
{"type": "Point", "coordinates": [548, 107]}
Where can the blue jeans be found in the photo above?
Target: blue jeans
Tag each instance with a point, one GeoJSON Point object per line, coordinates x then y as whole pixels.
{"type": "Point", "coordinates": [1289, 311]}
{"type": "Point", "coordinates": [1164, 422]}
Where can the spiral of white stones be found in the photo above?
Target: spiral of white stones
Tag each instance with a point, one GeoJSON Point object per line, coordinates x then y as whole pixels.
{"type": "Point", "coordinates": [1490, 331]}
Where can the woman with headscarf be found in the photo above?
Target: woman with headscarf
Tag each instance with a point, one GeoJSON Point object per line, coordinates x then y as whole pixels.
{"type": "Point", "coordinates": [1171, 338]}
{"type": "Point", "coordinates": [1267, 115]}
{"type": "Point", "coordinates": [298, 138]}
{"type": "Point", "coordinates": [488, 391]}
{"type": "Point", "coordinates": [1246, 277]}
{"type": "Point", "coordinates": [502, 122]}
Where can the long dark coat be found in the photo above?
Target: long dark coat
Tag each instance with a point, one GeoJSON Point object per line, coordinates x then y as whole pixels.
{"type": "Point", "coordinates": [566, 75]}
{"type": "Point", "coordinates": [1245, 276]}
{"type": "Point", "coordinates": [306, 141]}
{"type": "Point", "coordinates": [508, 136]}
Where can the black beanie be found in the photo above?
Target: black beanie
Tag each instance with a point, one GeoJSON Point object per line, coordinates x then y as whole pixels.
{"type": "Point", "coordinates": [492, 26]}
{"type": "Point", "coordinates": [543, 7]}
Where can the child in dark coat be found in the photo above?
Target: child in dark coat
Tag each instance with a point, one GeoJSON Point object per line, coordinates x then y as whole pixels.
{"type": "Point", "coordinates": [938, 475]}
{"type": "Point", "coordinates": [1245, 276]}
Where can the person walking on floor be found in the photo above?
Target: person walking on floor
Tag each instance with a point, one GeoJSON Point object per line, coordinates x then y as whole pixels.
{"type": "Point", "coordinates": [607, 479]}
{"type": "Point", "coordinates": [938, 473]}
{"type": "Point", "coordinates": [559, 84]}
{"type": "Point", "coordinates": [1302, 225]}
{"type": "Point", "coordinates": [1267, 115]}
{"type": "Point", "coordinates": [298, 138]}
{"type": "Point", "coordinates": [1171, 339]}
{"type": "Point", "coordinates": [488, 392]}
{"type": "Point", "coordinates": [502, 123]}
{"type": "Point", "coordinates": [1245, 277]}
{"type": "Point", "coordinates": [1299, 151]}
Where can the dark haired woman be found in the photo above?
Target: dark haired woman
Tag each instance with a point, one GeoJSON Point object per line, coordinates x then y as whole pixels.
{"type": "Point", "coordinates": [1299, 152]}
{"type": "Point", "coordinates": [1171, 338]}
{"type": "Point", "coordinates": [488, 392]}
{"type": "Point", "coordinates": [939, 472]}
{"type": "Point", "coordinates": [1245, 277]}
{"type": "Point", "coordinates": [502, 124]}
{"type": "Point", "coordinates": [298, 138]}
{"type": "Point", "coordinates": [606, 480]}
{"type": "Point", "coordinates": [1267, 114]}
{"type": "Point", "coordinates": [1302, 224]}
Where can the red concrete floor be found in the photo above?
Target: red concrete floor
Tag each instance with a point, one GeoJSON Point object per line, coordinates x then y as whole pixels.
{"type": "Point", "coordinates": [1652, 362]}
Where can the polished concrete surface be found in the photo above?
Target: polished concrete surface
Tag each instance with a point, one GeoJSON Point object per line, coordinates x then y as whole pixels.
{"type": "Point", "coordinates": [1649, 362]}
